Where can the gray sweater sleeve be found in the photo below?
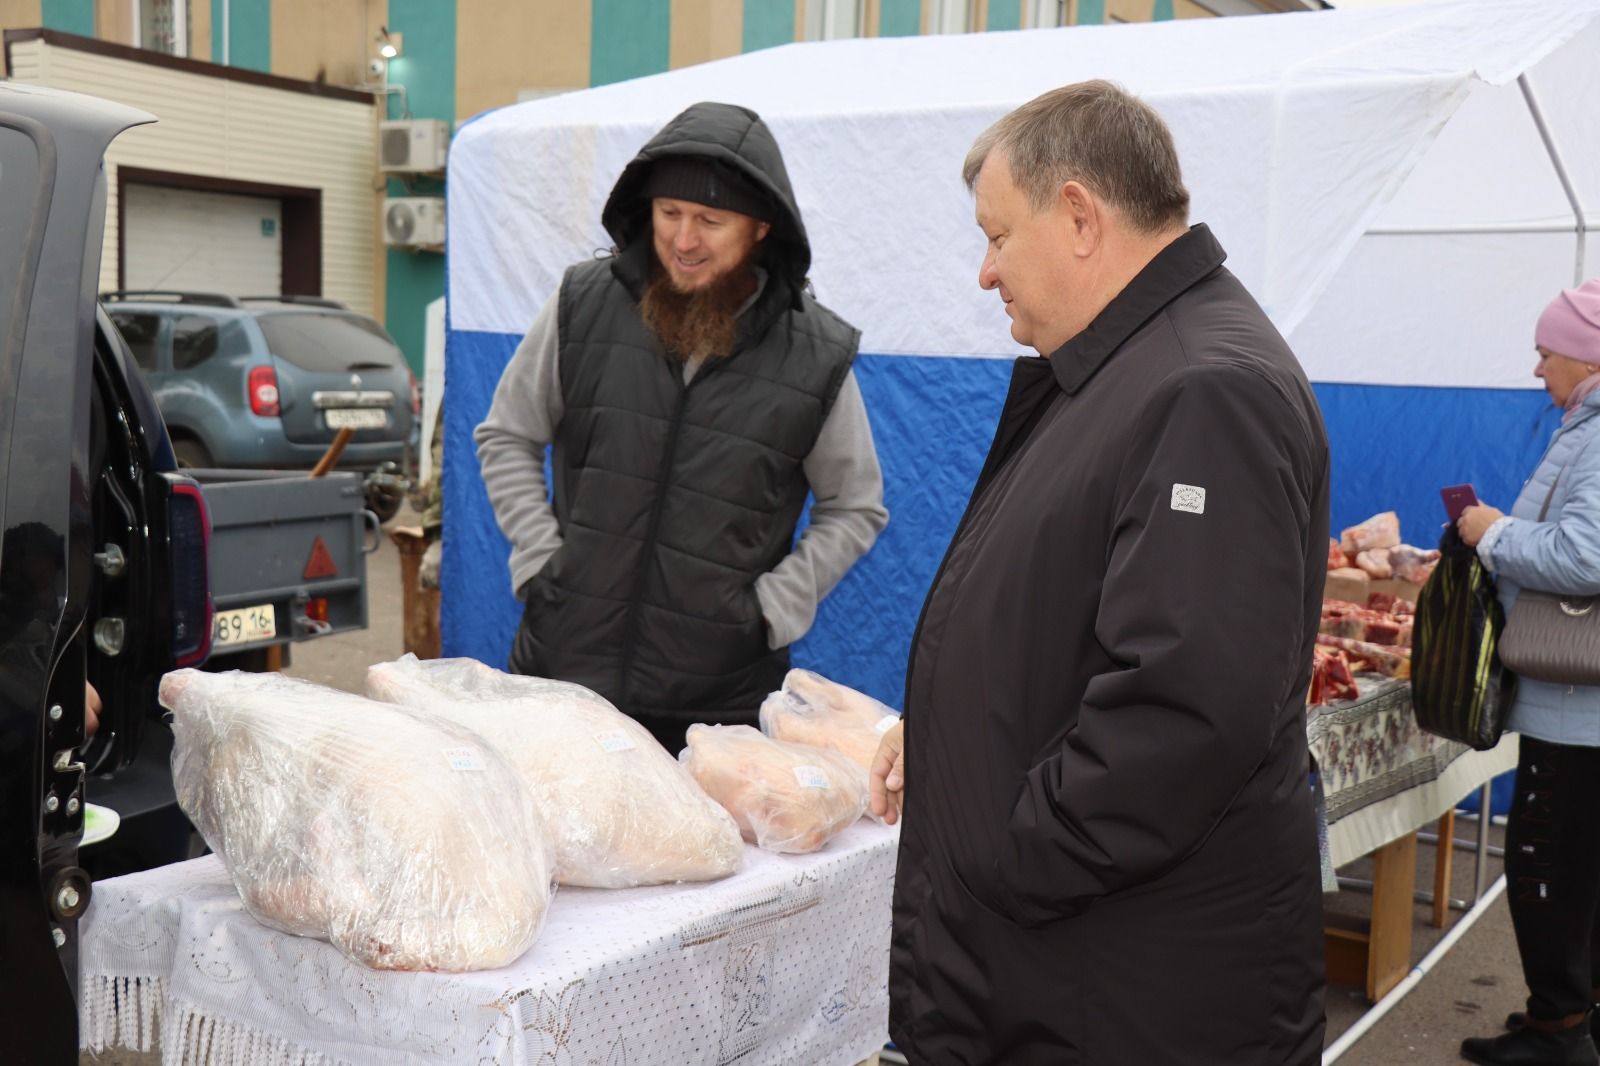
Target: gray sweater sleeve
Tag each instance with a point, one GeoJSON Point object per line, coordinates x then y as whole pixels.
{"type": "Point", "coordinates": [847, 514]}
{"type": "Point", "coordinates": [511, 441]}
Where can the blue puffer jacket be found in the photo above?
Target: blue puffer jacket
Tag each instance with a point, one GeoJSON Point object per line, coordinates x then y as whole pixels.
{"type": "Point", "coordinates": [1560, 554]}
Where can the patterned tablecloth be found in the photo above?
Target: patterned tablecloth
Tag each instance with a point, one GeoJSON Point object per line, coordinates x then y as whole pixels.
{"type": "Point", "coordinates": [1382, 776]}
{"type": "Point", "coordinates": [785, 962]}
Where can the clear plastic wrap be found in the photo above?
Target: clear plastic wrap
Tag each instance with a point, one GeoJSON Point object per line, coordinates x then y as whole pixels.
{"type": "Point", "coordinates": [786, 797]}
{"type": "Point", "coordinates": [621, 811]}
{"type": "Point", "coordinates": [810, 709]}
{"type": "Point", "coordinates": [402, 839]}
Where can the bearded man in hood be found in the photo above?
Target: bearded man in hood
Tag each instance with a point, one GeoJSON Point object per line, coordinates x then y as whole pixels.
{"type": "Point", "coordinates": [694, 394]}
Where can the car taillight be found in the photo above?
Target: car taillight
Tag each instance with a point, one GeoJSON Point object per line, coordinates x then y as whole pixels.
{"type": "Point", "coordinates": [416, 395]}
{"type": "Point", "coordinates": [264, 392]}
{"type": "Point", "coordinates": [189, 540]}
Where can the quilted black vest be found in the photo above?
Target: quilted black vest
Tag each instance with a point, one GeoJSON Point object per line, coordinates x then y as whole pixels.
{"type": "Point", "coordinates": [673, 499]}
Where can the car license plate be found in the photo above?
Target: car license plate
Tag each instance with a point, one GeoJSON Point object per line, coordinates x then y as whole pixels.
{"type": "Point", "coordinates": [246, 625]}
{"type": "Point", "coordinates": [356, 418]}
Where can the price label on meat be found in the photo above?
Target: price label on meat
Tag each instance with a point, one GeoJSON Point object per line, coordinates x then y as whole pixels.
{"type": "Point", "coordinates": [811, 777]}
{"type": "Point", "coordinates": [464, 759]}
{"type": "Point", "coordinates": [615, 740]}
{"type": "Point", "coordinates": [246, 625]}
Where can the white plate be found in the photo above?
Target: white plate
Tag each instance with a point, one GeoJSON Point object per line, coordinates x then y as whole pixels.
{"type": "Point", "coordinates": [98, 823]}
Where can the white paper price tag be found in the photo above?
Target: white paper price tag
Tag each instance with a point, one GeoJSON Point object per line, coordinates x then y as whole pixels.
{"type": "Point", "coordinates": [811, 777]}
{"type": "Point", "coordinates": [464, 759]}
{"type": "Point", "coordinates": [615, 740]}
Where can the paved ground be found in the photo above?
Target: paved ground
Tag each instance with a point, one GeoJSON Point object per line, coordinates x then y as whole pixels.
{"type": "Point", "coordinates": [1467, 994]}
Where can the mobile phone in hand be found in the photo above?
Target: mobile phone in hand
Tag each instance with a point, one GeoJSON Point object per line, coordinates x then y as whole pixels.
{"type": "Point", "coordinates": [1458, 498]}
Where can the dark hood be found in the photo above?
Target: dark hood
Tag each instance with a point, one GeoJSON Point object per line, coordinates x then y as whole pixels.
{"type": "Point", "coordinates": [737, 137]}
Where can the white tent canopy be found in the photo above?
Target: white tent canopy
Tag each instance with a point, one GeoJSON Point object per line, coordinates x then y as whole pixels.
{"type": "Point", "coordinates": [1384, 180]}
{"type": "Point", "coordinates": [1297, 133]}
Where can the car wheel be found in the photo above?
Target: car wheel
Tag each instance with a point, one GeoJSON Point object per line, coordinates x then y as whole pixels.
{"type": "Point", "coordinates": [384, 502]}
{"type": "Point", "coordinates": [191, 454]}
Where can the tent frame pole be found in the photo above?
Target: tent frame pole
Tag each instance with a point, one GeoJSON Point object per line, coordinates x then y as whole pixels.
{"type": "Point", "coordinates": [1470, 228]}
{"type": "Point", "coordinates": [1561, 172]}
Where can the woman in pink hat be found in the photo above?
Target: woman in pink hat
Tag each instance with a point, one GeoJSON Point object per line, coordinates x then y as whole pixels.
{"type": "Point", "coordinates": [1550, 542]}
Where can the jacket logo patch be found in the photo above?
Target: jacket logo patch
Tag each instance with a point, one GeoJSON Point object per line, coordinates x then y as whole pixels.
{"type": "Point", "coordinates": [1190, 498]}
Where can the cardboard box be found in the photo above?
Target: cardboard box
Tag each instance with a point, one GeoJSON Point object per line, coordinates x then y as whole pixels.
{"type": "Point", "coordinates": [1349, 584]}
{"type": "Point", "coordinates": [1400, 590]}
{"type": "Point", "coordinates": [1355, 586]}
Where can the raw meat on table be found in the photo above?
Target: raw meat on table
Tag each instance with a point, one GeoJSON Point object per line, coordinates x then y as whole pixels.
{"type": "Point", "coordinates": [621, 811]}
{"type": "Point", "coordinates": [401, 838]}
{"type": "Point", "coordinates": [1379, 531]}
{"type": "Point", "coordinates": [786, 797]}
{"type": "Point", "coordinates": [1390, 661]}
{"type": "Point", "coordinates": [1331, 678]}
{"type": "Point", "coordinates": [1413, 564]}
{"type": "Point", "coordinates": [1337, 559]}
{"type": "Point", "coordinates": [810, 709]}
{"type": "Point", "coordinates": [1375, 561]}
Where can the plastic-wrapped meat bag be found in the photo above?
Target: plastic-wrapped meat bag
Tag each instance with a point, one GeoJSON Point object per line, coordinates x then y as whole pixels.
{"type": "Point", "coordinates": [403, 840]}
{"type": "Point", "coordinates": [786, 797]}
{"type": "Point", "coordinates": [810, 709]}
{"type": "Point", "coordinates": [621, 810]}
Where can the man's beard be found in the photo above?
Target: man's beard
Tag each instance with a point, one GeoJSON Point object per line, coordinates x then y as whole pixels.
{"type": "Point", "coordinates": [700, 323]}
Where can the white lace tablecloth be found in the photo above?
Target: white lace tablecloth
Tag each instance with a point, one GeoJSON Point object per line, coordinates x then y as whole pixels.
{"type": "Point", "coordinates": [784, 963]}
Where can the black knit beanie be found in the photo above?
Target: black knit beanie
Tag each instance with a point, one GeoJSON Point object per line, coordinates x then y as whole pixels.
{"type": "Point", "coordinates": [710, 182]}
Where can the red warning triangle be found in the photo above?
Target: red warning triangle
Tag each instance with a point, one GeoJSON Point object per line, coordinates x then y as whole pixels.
{"type": "Point", "coordinates": [321, 562]}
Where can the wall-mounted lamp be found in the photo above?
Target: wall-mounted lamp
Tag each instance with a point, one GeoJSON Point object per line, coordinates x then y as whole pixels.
{"type": "Point", "coordinates": [389, 44]}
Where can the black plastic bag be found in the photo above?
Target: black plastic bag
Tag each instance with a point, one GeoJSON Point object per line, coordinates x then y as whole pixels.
{"type": "Point", "coordinates": [1459, 689]}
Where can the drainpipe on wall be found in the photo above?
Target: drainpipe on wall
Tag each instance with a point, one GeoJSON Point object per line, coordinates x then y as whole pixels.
{"type": "Point", "coordinates": [225, 33]}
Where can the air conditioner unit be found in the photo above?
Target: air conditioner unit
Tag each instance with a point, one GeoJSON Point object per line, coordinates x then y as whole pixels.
{"type": "Point", "coordinates": [413, 221]}
{"type": "Point", "coordinates": [413, 145]}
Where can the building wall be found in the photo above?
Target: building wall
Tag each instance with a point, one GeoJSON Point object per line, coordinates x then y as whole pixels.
{"type": "Point", "coordinates": [226, 129]}
{"type": "Point", "coordinates": [113, 21]}
{"type": "Point", "coordinates": [249, 30]}
{"type": "Point", "coordinates": [199, 29]}
{"type": "Point", "coordinates": [69, 16]}
{"type": "Point", "coordinates": [629, 39]}
{"type": "Point", "coordinates": [532, 45]}
{"type": "Point", "coordinates": [427, 68]}
{"type": "Point", "coordinates": [767, 23]}
{"type": "Point", "coordinates": [1003, 15]}
{"type": "Point", "coordinates": [899, 18]}
{"type": "Point", "coordinates": [702, 30]}
{"type": "Point", "coordinates": [325, 40]}
{"type": "Point", "coordinates": [18, 15]}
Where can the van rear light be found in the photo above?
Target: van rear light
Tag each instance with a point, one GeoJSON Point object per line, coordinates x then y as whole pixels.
{"type": "Point", "coordinates": [263, 390]}
{"type": "Point", "coordinates": [416, 395]}
{"type": "Point", "coordinates": [189, 551]}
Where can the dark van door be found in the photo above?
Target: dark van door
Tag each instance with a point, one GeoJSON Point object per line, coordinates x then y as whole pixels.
{"type": "Point", "coordinates": [52, 214]}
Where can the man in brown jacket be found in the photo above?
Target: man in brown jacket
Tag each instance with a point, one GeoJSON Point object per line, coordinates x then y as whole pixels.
{"type": "Point", "coordinates": [1109, 851]}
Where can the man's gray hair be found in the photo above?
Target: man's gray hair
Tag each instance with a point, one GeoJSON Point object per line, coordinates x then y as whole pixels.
{"type": "Point", "coordinates": [1096, 133]}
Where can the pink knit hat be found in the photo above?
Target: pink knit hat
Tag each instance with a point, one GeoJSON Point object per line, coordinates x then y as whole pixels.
{"type": "Point", "coordinates": [1570, 326]}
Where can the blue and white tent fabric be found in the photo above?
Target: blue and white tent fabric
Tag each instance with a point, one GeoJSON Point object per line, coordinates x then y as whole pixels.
{"type": "Point", "coordinates": [1403, 189]}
